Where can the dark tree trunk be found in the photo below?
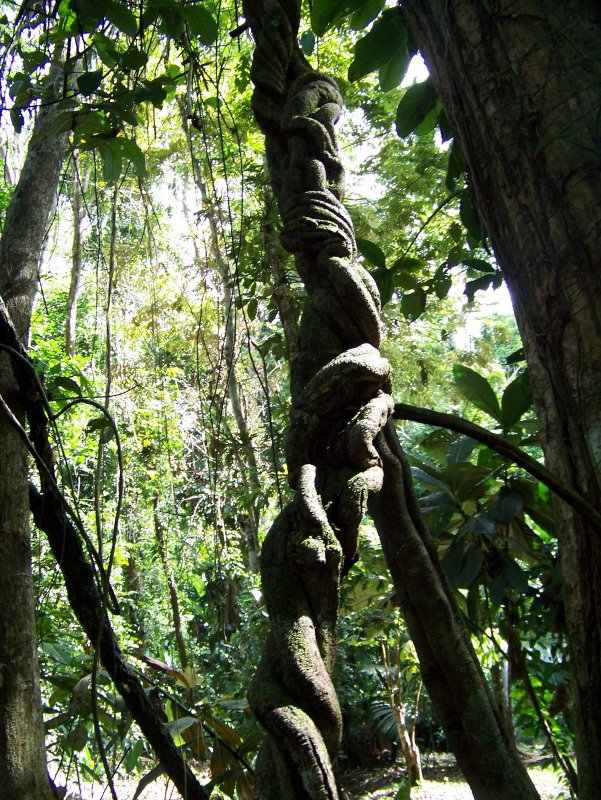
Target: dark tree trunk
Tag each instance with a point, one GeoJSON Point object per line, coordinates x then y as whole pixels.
{"type": "Point", "coordinates": [450, 670]}
{"type": "Point", "coordinates": [520, 82]}
{"type": "Point", "coordinates": [22, 761]}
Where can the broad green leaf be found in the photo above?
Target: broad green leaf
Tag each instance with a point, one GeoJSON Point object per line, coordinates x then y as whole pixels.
{"type": "Point", "coordinates": [367, 12]}
{"type": "Point", "coordinates": [442, 286]}
{"type": "Point", "coordinates": [387, 36]}
{"type": "Point", "coordinates": [467, 481]}
{"type": "Point", "coordinates": [251, 308]}
{"type": "Point", "coordinates": [456, 166]}
{"type": "Point", "coordinates": [404, 791]}
{"type": "Point", "coordinates": [385, 281]}
{"type": "Point", "coordinates": [122, 18]}
{"type": "Point", "coordinates": [460, 450]}
{"type": "Point", "coordinates": [68, 384]}
{"type": "Point", "coordinates": [470, 217]}
{"type": "Point", "coordinates": [371, 252]}
{"type": "Point", "coordinates": [111, 154]}
{"type": "Point", "coordinates": [105, 47]}
{"type": "Point", "coordinates": [517, 356]}
{"type": "Point", "coordinates": [478, 284]}
{"type": "Point", "coordinates": [17, 119]}
{"type": "Point", "coordinates": [477, 390]}
{"type": "Point", "coordinates": [413, 304]}
{"type": "Point", "coordinates": [132, 151]}
{"type": "Point", "coordinates": [462, 562]}
{"type": "Point", "coordinates": [393, 71]}
{"type": "Point", "coordinates": [133, 58]}
{"type": "Point", "coordinates": [201, 23]}
{"type": "Point", "coordinates": [478, 264]}
{"type": "Point", "coordinates": [516, 400]}
{"type": "Point", "coordinates": [505, 505]}
{"type": "Point", "coordinates": [417, 102]}
{"type": "Point", "coordinates": [89, 82]}
{"type": "Point", "coordinates": [325, 12]}
{"type": "Point", "coordinates": [307, 42]}
{"type": "Point", "coordinates": [132, 758]}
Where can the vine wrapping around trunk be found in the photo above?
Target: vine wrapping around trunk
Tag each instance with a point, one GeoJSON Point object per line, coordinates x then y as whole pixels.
{"type": "Point", "coordinates": [340, 402]}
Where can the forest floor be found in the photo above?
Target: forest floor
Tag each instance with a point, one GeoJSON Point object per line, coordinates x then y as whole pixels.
{"type": "Point", "coordinates": [442, 781]}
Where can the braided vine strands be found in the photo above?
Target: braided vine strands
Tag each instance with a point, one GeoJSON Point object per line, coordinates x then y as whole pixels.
{"type": "Point", "coordinates": [340, 402]}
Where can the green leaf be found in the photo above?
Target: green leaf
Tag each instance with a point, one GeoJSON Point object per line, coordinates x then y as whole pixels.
{"type": "Point", "coordinates": [413, 304]}
{"type": "Point", "coordinates": [89, 82]}
{"type": "Point", "coordinates": [417, 102]}
{"type": "Point", "coordinates": [368, 11]}
{"type": "Point", "coordinates": [387, 36]}
{"type": "Point", "coordinates": [467, 481]}
{"type": "Point", "coordinates": [132, 758]}
{"type": "Point", "coordinates": [478, 264]}
{"type": "Point", "coordinates": [478, 284]}
{"type": "Point", "coordinates": [456, 166]}
{"type": "Point", "coordinates": [385, 281]}
{"type": "Point", "coordinates": [132, 151]}
{"type": "Point", "coordinates": [251, 308]}
{"type": "Point", "coordinates": [516, 400]}
{"type": "Point", "coordinates": [68, 384]}
{"type": "Point", "coordinates": [460, 450]}
{"type": "Point", "coordinates": [107, 52]}
{"type": "Point", "coordinates": [505, 505]}
{"type": "Point", "coordinates": [122, 18]}
{"type": "Point", "coordinates": [404, 791]}
{"type": "Point", "coordinates": [371, 252]}
{"type": "Point", "coordinates": [462, 563]}
{"type": "Point", "coordinates": [477, 390]}
{"type": "Point", "coordinates": [324, 13]}
{"type": "Point", "coordinates": [392, 73]}
{"type": "Point", "coordinates": [307, 42]}
{"type": "Point", "coordinates": [201, 23]}
{"type": "Point", "coordinates": [517, 356]}
{"type": "Point", "coordinates": [111, 154]}
{"type": "Point", "coordinates": [470, 217]}
{"type": "Point", "coordinates": [133, 58]}
{"type": "Point", "coordinates": [17, 119]}
{"type": "Point", "coordinates": [442, 286]}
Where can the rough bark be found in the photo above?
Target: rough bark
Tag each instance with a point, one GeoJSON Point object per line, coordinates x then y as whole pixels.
{"type": "Point", "coordinates": [22, 759]}
{"type": "Point", "coordinates": [76, 257]}
{"type": "Point", "coordinates": [449, 667]}
{"type": "Point", "coordinates": [520, 84]}
{"type": "Point", "coordinates": [340, 401]}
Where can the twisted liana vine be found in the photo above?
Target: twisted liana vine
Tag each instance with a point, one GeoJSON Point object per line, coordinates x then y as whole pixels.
{"type": "Point", "coordinates": [340, 402]}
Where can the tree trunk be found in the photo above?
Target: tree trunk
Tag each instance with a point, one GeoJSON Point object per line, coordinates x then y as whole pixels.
{"type": "Point", "coordinates": [450, 669]}
{"type": "Point", "coordinates": [76, 260]}
{"type": "Point", "coordinates": [520, 84]}
{"type": "Point", "coordinates": [22, 762]}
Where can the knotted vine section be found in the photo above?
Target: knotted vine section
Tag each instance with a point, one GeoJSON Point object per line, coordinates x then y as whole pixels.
{"type": "Point", "coordinates": [340, 402]}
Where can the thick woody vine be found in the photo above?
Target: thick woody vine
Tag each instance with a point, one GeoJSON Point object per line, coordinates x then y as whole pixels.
{"type": "Point", "coordinates": [340, 402]}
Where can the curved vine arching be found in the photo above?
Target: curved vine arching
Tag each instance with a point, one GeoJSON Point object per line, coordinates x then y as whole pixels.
{"type": "Point", "coordinates": [340, 402]}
